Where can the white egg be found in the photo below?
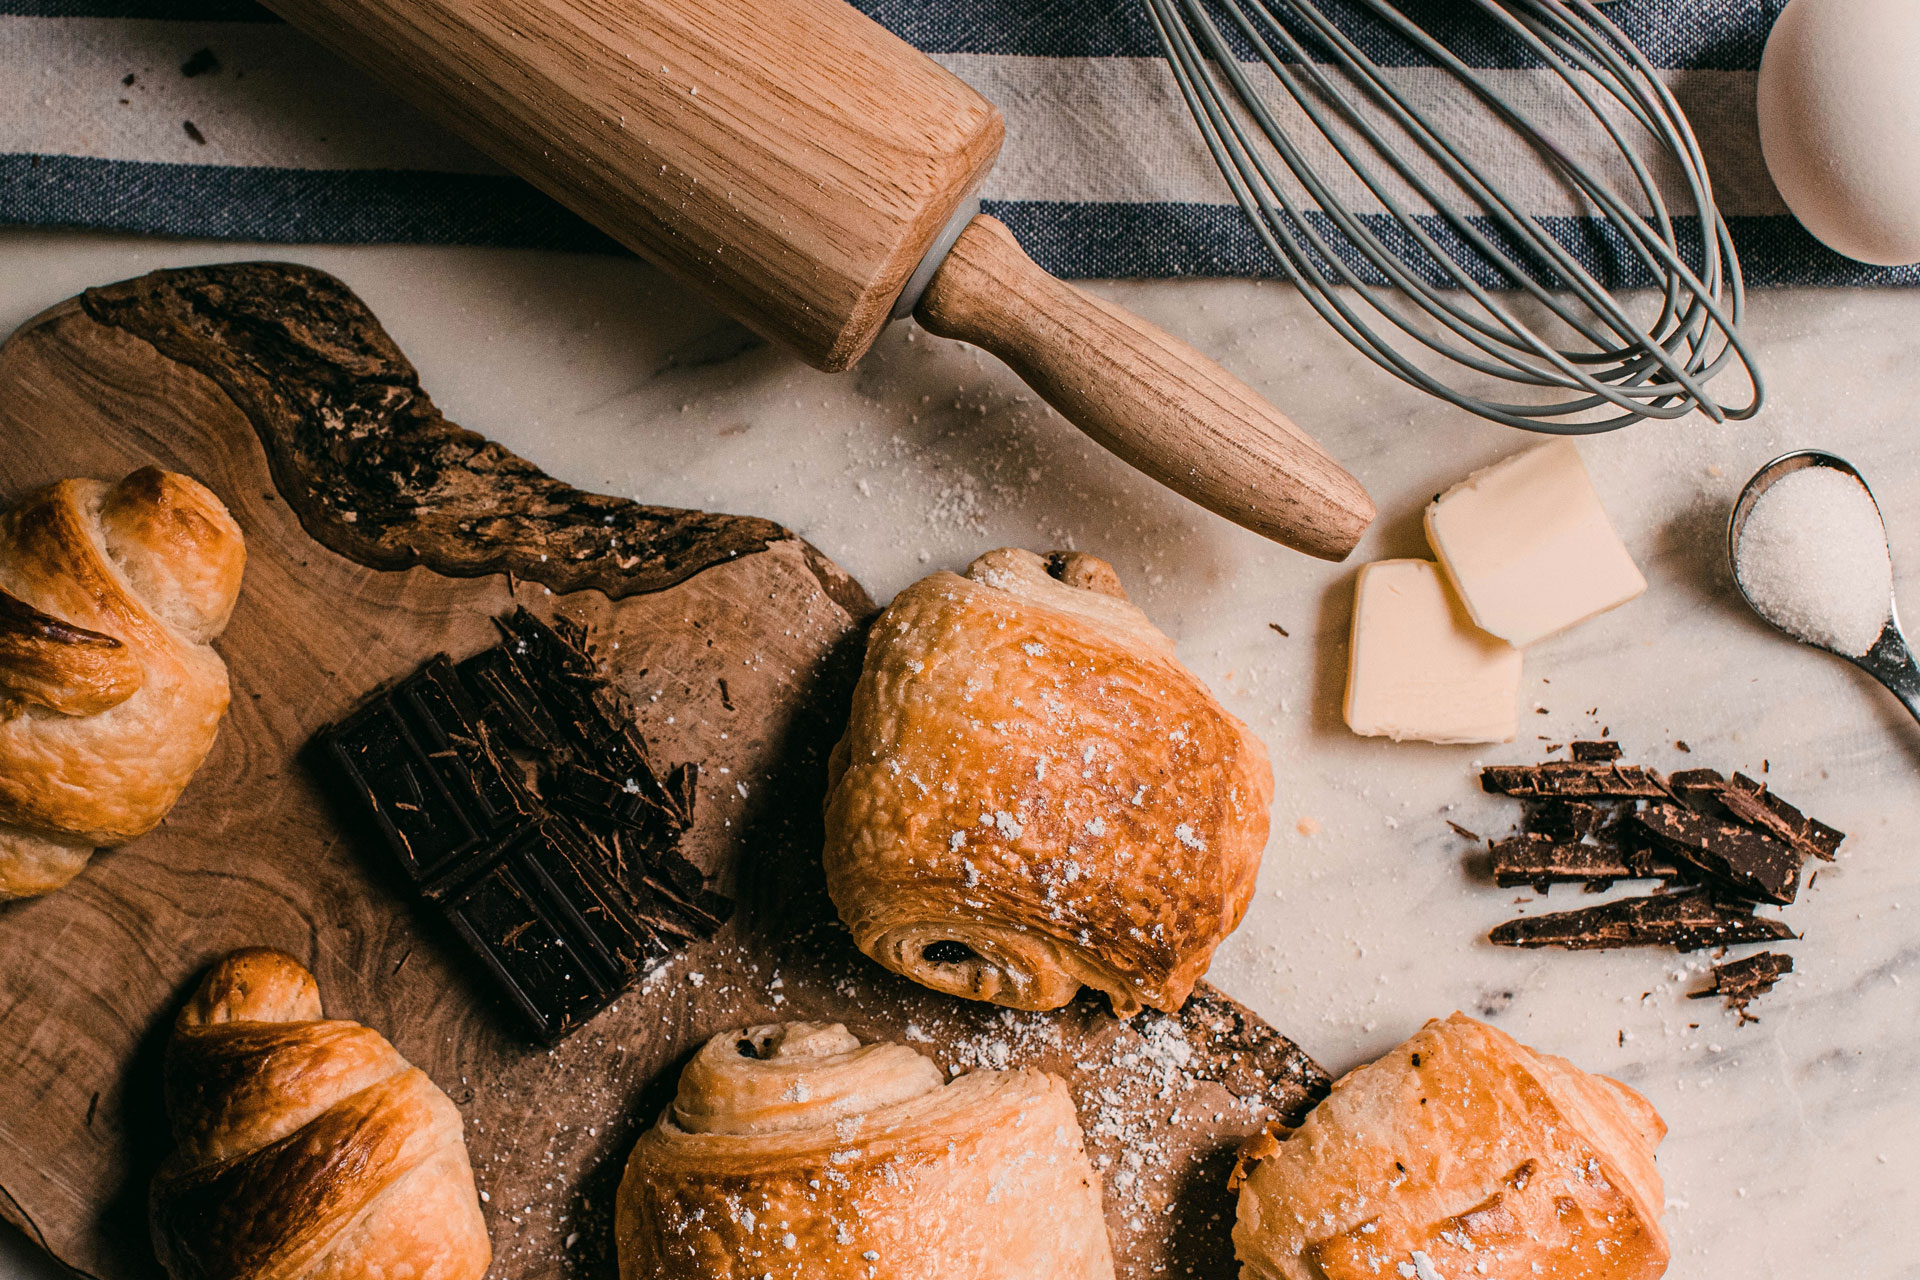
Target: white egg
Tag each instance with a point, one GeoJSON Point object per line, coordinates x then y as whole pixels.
{"type": "Point", "coordinates": [1840, 123]}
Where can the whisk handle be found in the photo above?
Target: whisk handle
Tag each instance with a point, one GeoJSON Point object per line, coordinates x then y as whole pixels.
{"type": "Point", "coordinates": [1146, 395]}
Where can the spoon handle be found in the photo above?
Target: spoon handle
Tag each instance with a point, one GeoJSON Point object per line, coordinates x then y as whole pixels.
{"type": "Point", "coordinates": [1891, 662]}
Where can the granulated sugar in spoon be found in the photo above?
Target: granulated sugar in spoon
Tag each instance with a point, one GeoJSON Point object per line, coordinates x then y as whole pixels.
{"type": "Point", "coordinates": [1809, 553]}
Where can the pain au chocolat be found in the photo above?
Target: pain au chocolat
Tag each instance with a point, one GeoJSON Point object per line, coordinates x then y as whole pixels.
{"type": "Point", "coordinates": [1034, 795]}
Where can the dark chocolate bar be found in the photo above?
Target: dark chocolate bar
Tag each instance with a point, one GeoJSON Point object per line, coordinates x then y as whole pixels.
{"type": "Point", "coordinates": [515, 793]}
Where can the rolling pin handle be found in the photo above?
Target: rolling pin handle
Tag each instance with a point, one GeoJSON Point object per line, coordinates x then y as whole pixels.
{"type": "Point", "coordinates": [1145, 395]}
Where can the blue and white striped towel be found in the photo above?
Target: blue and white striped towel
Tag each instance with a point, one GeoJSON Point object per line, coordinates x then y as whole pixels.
{"type": "Point", "coordinates": [210, 118]}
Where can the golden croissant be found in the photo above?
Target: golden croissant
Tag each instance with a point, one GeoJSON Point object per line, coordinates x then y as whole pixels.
{"type": "Point", "coordinates": [307, 1148]}
{"type": "Point", "coordinates": [1033, 794]}
{"type": "Point", "coordinates": [794, 1152]}
{"type": "Point", "coordinates": [110, 691]}
{"type": "Point", "coordinates": [1460, 1154]}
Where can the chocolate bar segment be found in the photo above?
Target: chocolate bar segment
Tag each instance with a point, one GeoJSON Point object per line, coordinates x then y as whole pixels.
{"type": "Point", "coordinates": [535, 946]}
{"type": "Point", "coordinates": [419, 798]}
{"type": "Point", "coordinates": [515, 792]}
{"type": "Point", "coordinates": [1685, 921]}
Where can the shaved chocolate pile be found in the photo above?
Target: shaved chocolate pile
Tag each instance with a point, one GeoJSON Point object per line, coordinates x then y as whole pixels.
{"type": "Point", "coordinates": [515, 793]}
{"type": "Point", "coordinates": [1720, 846]}
{"type": "Point", "coordinates": [1743, 981]}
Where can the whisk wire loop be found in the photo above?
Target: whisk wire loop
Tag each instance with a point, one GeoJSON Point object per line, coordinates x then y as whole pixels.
{"type": "Point", "coordinates": [1357, 230]}
{"type": "Point", "coordinates": [1445, 282]}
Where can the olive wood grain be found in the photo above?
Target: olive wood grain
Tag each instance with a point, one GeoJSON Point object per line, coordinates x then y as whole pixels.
{"type": "Point", "coordinates": [737, 642]}
{"type": "Point", "coordinates": [1143, 393]}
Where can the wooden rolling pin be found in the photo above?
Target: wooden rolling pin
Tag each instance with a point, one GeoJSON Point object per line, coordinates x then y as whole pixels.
{"type": "Point", "coordinates": [811, 173]}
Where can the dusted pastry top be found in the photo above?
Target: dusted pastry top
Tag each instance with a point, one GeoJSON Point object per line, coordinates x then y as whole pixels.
{"type": "Point", "coordinates": [1461, 1154]}
{"type": "Point", "coordinates": [795, 1151]}
{"type": "Point", "coordinates": [790, 1076]}
{"type": "Point", "coordinates": [1033, 794]}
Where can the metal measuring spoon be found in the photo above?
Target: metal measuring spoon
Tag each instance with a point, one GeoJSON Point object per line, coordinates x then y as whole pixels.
{"type": "Point", "coordinates": [1890, 659]}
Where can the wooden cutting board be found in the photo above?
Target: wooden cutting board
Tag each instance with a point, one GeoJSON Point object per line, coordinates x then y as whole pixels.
{"type": "Point", "coordinates": [378, 535]}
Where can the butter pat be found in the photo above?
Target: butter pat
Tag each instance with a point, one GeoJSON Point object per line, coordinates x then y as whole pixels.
{"type": "Point", "coordinates": [1528, 546]}
{"type": "Point", "coordinates": [1419, 669]}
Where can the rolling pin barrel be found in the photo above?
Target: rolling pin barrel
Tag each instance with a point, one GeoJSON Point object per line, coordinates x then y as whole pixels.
{"type": "Point", "coordinates": [795, 161]}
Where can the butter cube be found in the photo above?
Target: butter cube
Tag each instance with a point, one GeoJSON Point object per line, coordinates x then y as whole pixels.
{"type": "Point", "coordinates": [1418, 668]}
{"type": "Point", "coordinates": [1528, 546]}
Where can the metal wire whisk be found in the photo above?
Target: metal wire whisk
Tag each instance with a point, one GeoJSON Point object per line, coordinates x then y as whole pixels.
{"type": "Point", "coordinates": [1446, 263]}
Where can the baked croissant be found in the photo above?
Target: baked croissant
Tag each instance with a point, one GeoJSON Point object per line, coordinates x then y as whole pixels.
{"type": "Point", "coordinates": [110, 692]}
{"type": "Point", "coordinates": [307, 1148]}
{"type": "Point", "coordinates": [1033, 794]}
{"type": "Point", "coordinates": [1460, 1154]}
{"type": "Point", "coordinates": [794, 1152]}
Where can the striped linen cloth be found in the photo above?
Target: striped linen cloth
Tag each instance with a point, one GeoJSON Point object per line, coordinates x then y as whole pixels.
{"type": "Point", "coordinates": [210, 118]}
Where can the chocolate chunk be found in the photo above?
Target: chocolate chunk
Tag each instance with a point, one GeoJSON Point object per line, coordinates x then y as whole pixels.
{"type": "Point", "coordinates": [1540, 860]}
{"type": "Point", "coordinates": [202, 62]}
{"type": "Point", "coordinates": [1745, 980]}
{"type": "Point", "coordinates": [1594, 752]}
{"type": "Point", "coordinates": [681, 786]}
{"type": "Point", "coordinates": [515, 792]}
{"type": "Point", "coordinates": [1573, 780]}
{"type": "Point", "coordinates": [1753, 803]}
{"type": "Point", "coordinates": [1564, 819]}
{"type": "Point", "coordinates": [683, 876]}
{"type": "Point", "coordinates": [1686, 921]}
{"type": "Point", "coordinates": [1747, 801]}
{"type": "Point", "coordinates": [1698, 787]}
{"type": "Point", "coordinates": [1750, 864]}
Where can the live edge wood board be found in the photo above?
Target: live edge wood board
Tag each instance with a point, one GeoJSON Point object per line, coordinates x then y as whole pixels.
{"type": "Point", "coordinates": [380, 534]}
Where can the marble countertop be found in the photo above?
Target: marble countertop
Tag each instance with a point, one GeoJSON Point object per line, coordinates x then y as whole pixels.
{"type": "Point", "coordinates": [1791, 1139]}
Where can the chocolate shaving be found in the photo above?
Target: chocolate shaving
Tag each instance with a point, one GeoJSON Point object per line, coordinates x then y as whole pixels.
{"type": "Point", "coordinates": [1686, 921]}
{"type": "Point", "coordinates": [1745, 980]}
{"type": "Point", "coordinates": [1573, 780]}
{"type": "Point", "coordinates": [1746, 862]}
{"type": "Point", "coordinates": [1594, 752]}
